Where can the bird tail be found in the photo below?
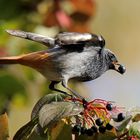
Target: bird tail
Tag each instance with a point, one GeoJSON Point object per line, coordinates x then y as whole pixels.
{"type": "Point", "coordinates": [10, 60]}
{"type": "Point", "coordinates": [35, 60]}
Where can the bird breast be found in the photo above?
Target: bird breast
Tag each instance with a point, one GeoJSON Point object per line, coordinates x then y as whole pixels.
{"type": "Point", "coordinates": [83, 66]}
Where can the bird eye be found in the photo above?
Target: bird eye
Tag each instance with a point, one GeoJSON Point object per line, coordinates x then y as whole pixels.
{"type": "Point", "coordinates": [112, 58]}
{"type": "Point", "coordinates": [101, 41]}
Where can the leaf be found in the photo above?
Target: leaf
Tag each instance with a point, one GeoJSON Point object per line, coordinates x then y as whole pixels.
{"type": "Point", "coordinates": [135, 112]}
{"type": "Point", "coordinates": [85, 6]}
{"type": "Point", "coordinates": [24, 132]}
{"type": "Point", "coordinates": [51, 113]}
{"type": "Point", "coordinates": [46, 116]}
{"type": "Point", "coordinates": [120, 126]}
{"type": "Point", "coordinates": [136, 118]}
{"type": "Point", "coordinates": [4, 131]}
{"type": "Point", "coordinates": [61, 132]}
{"type": "Point", "coordinates": [56, 97]}
{"type": "Point", "coordinates": [58, 132]}
{"type": "Point", "coordinates": [134, 129]}
{"type": "Point", "coordinates": [108, 135]}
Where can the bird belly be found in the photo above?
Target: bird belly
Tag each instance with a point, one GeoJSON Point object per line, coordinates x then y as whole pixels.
{"type": "Point", "coordinates": [73, 65]}
{"type": "Point", "coordinates": [85, 66]}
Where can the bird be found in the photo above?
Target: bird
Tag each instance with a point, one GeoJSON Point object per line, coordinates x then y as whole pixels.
{"type": "Point", "coordinates": [69, 56]}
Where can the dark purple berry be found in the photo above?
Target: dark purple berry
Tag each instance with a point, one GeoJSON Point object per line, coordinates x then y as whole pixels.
{"type": "Point", "coordinates": [102, 129]}
{"type": "Point", "coordinates": [109, 107]}
{"type": "Point", "coordinates": [94, 128]}
{"type": "Point", "coordinates": [89, 132]}
{"type": "Point", "coordinates": [83, 130]}
{"type": "Point", "coordinates": [99, 122]}
{"type": "Point", "coordinates": [76, 129]}
{"type": "Point", "coordinates": [120, 117]}
{"type": "Point", "coordinates": [121, 69]}
{"type": "Point", "coordinates": [109, 126]}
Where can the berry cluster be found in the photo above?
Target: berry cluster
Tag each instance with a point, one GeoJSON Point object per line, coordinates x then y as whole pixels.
{"type": "Point", "coordinates": [91, 121]}
{"type": "Point", "coordinates": [97, 128]}
{"type": "Point", "coordinates": [77, 129]}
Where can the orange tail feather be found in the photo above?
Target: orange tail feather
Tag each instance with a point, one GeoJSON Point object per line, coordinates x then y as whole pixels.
{"type": "Point", "coordinates": [10, 60]}
{"type": "Point", "coordinates": [35, 60]}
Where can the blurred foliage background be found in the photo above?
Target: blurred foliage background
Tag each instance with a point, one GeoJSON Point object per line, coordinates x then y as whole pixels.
{"type": "Point", "coordinates": [118, 21]}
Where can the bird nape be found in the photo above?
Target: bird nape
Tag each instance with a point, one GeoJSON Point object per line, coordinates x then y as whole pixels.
{"type": "Point", "coordinates": [70, 55]}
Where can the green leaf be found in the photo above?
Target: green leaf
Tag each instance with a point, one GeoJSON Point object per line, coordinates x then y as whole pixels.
{"type": "Point", "coordinates": [50, 110]}
{"type": "Point", "coordinates": [136, 118]}
{"type": "Point", "coordinates": [135, 112]}
{"type": "Point", "coordinates": [51, 113]}
{"type": "Point", "coordinates": [98, 136]}
{"type": "Point", "coordinates": [46, 116]}
{"type": "Point", "coordinates": [120, 126]}
{"type": "Point", "coordinates": [61, 132]}
{"type": "Point", "coordinates": [55, 97]}
{"type": "Point", "coordinates": [134, 129]}
{"type": "Point", "coordinates": [24, 132]}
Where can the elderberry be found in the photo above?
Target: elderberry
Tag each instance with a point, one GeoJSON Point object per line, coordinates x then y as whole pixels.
{"type": "Point", "coordinates": [120, 117]}
{"type": "Point", "coordinates": [109, 126]}
{"type": "Point", "coordinates": [99, 122]}
{"type": "Point", "coordinates": [83, 130]}
{"type": "Point", "coordinates": [121, 69]}
{"type": "Point", "coordinates": [89, 132]}
{"type": "Point", "coordinates": [102, 129]}
{"type": "Point", "coordinates": [94, 128]}
{"type": "Point", "coordinates": [109, 107]}
{"type": "Point", "coordinates": [76, 129]}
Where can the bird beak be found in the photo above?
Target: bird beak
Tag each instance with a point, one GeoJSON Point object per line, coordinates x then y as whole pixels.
{"type": "Point", "coordinates": [119, 68]}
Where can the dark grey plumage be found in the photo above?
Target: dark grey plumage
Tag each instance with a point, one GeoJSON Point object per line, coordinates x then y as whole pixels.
{"type": "Point", "coordinates": [70, 56]}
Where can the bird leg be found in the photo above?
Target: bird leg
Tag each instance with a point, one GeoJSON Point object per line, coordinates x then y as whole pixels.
{"type": "Point", "coordinates": [64, 84]}
{"type": "Point", "coordinates": [51, 86]}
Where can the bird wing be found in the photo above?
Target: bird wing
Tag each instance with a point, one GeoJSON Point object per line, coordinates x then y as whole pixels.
{"type": "Point", "coordinates": [74, 39]}
{"type": "Point", "coordinates": [32, 36]}
{"type": "Point", "coordinates": [67, 38]}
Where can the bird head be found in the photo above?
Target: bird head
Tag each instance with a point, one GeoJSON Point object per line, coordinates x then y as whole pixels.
{"type": "Point", "coordinates": [113, 62]}
{"type": "Point", "coordinates": [110, 57]}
